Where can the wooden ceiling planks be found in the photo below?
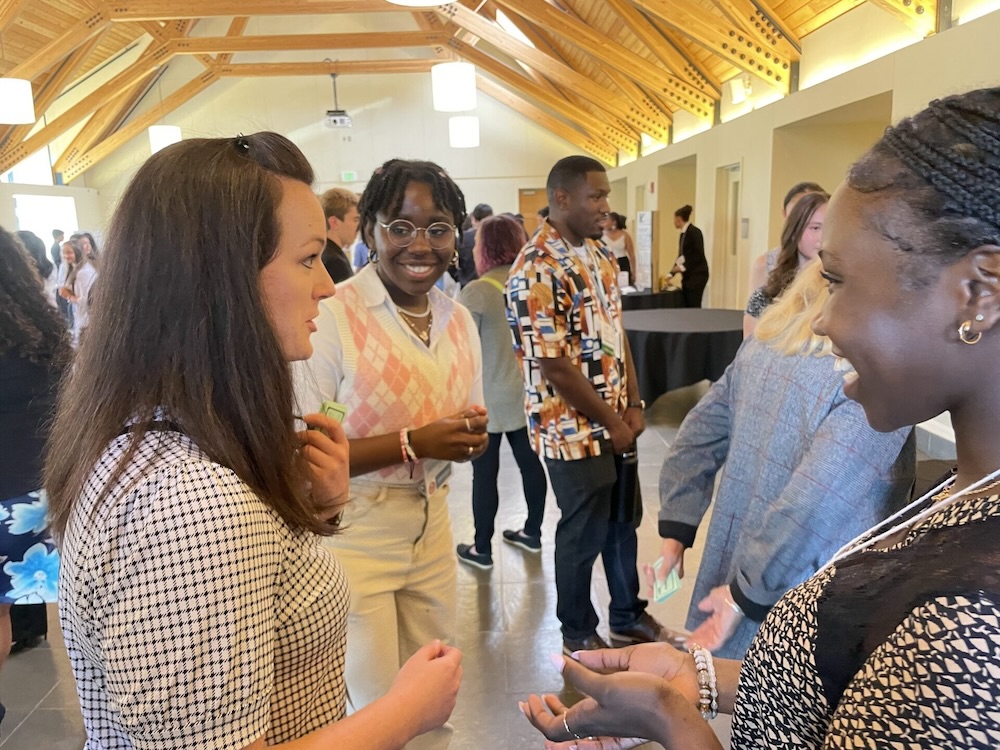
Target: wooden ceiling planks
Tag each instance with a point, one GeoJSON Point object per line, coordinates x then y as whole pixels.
{"type": "Point", "coordinates": [628, 66]}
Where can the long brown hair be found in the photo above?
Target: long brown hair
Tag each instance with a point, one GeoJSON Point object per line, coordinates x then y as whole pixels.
{"type": "Point", "coordinates": [30, 327]}
{"type": "Point", "coordinates": [178, 322]}
{"type": "Point", "coordinates": [788, 259]}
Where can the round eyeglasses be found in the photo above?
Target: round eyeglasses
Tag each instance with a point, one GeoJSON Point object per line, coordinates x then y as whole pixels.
{"type": "Point", "coordinates": [440, 235]}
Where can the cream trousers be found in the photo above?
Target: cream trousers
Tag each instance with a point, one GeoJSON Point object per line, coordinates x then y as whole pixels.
{"type": "Point", "coordinates": [398, 554]}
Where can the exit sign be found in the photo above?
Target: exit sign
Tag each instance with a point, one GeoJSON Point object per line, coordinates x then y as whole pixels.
{"type": "Point", "coordinates": [349, 176]}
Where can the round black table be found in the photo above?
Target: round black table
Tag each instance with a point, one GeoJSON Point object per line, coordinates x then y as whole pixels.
{"type": "Point", "coordinates": [676, 348]}
{"type": "Point", "coordinates": [652, 300]}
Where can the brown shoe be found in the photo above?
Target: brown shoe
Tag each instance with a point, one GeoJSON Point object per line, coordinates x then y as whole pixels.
{"type": "Point", "coordinates": [591, 643]}
{"type": "Point", "coordinates": [647, 629]}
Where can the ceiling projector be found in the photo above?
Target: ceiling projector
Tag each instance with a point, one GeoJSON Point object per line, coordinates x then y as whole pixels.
{"type": "Point", "coordinates": [337, 118]}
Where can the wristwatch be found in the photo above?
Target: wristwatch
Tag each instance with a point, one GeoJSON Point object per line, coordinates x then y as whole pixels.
{"type": "Point", "coordinates": [640, 404]}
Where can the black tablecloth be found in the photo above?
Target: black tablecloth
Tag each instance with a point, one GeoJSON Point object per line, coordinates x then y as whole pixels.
{"type": "Point", "coordinates": [675, 348]}
{"type": "Point", "coordinates": [652, 300]}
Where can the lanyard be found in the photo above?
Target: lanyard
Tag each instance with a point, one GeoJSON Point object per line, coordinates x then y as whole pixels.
{"type": "Point", "coordinates": [855, 546]}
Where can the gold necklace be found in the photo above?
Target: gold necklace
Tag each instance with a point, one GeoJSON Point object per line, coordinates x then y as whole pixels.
{"type": "Point", "coordinates": [946, 492]}
{"type": "Point", "coordinates": [423, 335]}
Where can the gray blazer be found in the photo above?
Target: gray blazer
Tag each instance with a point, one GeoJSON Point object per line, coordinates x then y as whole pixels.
{"type": "Point", "coordinates": [802, 474]}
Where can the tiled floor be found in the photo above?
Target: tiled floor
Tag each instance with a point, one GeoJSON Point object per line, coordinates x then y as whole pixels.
{"type": "Point", "coordinates": [507, 623]}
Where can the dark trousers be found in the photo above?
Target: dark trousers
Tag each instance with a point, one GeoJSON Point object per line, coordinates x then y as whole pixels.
{"type": "Point", "coordinates": [583, 494]}
{"type": "Point", "coordinates": [693, 291]}
{"type": "Point", "coordinates": [486, 499]}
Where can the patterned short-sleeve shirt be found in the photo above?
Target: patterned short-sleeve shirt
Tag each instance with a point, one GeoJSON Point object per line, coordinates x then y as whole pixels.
{"type": "Point", "coordinates": [565, 302]}
{"type": "Point", "coordinates": [193, 615]}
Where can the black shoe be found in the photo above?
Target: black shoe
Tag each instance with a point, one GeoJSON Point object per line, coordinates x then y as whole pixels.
{"type": "Point", "coordinates": [522, 540]}
{"type": "Point", "coordinates": [466, 555]}
{"type": "Point", "coordinates": [591, 643]}
{"type": "Point", "coordinates": [647, 630]}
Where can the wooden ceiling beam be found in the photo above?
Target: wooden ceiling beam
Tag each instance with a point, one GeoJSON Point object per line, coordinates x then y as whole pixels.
{"type": "Point", "coordinates": [341, 67]}
{"type": "Point", "coordinates": [760, 21]}
{"type": "Point", "coordinates": [554, 70]}
{"type": "Point", "coordinates": [623, 82]}
{"type": "Point", "coordinates": [102, 123]}
{"type": "Point", "coordinates": [109, 145]}
{"type": "Point", "coordinates": [53, 85]}
{"type": "Point", "coordinates": [597, 44]}
{"type": "Point", "coordinates": [664, 51]}
{"type": "Point", "coordinates": [603, 151]}
{"type": "Point", "coordinates": [147, 62]}
{"type": "Point", "coordinates": [158, 10]}
{"type": "Point", "coordinates": [599, 128]}
{"type": "Point", "coordinates": [690, 20]}
{"type": "Point", "coordinates": [919, 15]}
{"type": "Point", "coordinates": [79, 33]}
{"type": "Point", "coordinates": [8, 12]}
{"type": "Point", "coordinates": [236, 28]}
{"type": "Point", "coordinates": [296, 42]}
{"type": "Point", "coordinates": [540, 43]}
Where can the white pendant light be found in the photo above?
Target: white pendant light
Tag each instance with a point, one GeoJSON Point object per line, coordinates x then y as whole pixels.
{"type": "Point", "coordinates": [453, 86]}
{"type": "Point", "coordinates": [16, 105]}
{"type": "Point", "coordinates": [463, 131]}
{"type": "Point", "coordinates": [161, 136]}
{"type": "Point", "coordinates": [419, 3]}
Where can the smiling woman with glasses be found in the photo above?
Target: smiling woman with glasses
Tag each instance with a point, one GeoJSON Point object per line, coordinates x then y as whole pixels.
{"type": "Point", "coordinates": [405, 361]}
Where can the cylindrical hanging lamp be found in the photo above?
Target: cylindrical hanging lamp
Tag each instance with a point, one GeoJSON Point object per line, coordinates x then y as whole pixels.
{"type": "Point", "coordinates": [463, 131]}
{"type": "Point", "coordinates": [16, 104]}
{"type": "Point", "coordinates": [419, 3]}
{"type": "Point", "coordinates": [453, 86]}
{"type": "Point", "coordinates": [161, 136]}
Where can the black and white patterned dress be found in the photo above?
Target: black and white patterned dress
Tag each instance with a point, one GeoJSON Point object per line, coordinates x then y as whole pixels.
{"type": "Point", "coordinates": [194, 617]}
{"type": "Point", "coordinates": [896, 648]}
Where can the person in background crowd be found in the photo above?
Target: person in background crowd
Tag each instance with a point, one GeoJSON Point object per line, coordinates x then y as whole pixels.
{"type": "Point", "coordinates": [800, 243]}
{"type": "Point", "coordinates": [224, 624]}
{"type": "Point", "coordinates": [466, 269]}
{"type": "Point", "coordinates": [405, 362]}
{"type": "Point", "coordinates": [619, 242]}
{"type": "Point", "coordinates": [764, 264]}
{"type": "Point", "coordinates": [36, 249]}
{"type": "Point", "coordinates": [56, 250]}
{"type": "Point", "coordinates": [691, 261]}
{"type": "Point", "coordinates": [498, 242]}
{"type": "Point", "coordinates": [340, 207]}
{"type": "Point", "coordinates": [34, 351]}
{"type": "Point", "coordinates": [893, 641]}
{"type": "Point", "coordinates": [581, 398]}
{"type": "Point", "coordinates": [88, 245]}
{"type": "Point", "coordinates": [79, 286]}
{"type": "Point", "coordinates": [802, 473]}
{"type": "Point", "coordinates": [71, 257]}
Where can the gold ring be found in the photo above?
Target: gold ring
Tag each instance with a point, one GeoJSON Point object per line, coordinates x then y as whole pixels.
{"type": "Point", "coordinates": [470, 450]}
{"type": "Point", "coordinates": [468, 425]}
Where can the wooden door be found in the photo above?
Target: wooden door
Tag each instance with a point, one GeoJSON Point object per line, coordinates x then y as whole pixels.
{"type": "Point", "coordinates": [529, 201]}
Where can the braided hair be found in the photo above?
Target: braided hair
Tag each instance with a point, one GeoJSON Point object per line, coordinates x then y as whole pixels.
{"type": "Point", "coordinates": [943, 166]}
{"type": "Point", "coordinates": [384, 193]}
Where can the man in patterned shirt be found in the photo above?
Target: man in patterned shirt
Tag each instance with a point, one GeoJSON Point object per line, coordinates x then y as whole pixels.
{"type": "Point", "coordinates": [581, 397]}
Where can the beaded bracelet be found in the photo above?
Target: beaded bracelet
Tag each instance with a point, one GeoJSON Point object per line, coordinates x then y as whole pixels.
{"type": "Point", "coordinates": [708, 686]}
{"type": "Point", "coordinates": [409, 455]}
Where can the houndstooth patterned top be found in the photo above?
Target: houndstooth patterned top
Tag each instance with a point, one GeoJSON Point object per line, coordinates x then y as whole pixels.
{"type": "Point", "coordinates": [895, 648]}
{"type": "Point", "coordinates": [194, 617]}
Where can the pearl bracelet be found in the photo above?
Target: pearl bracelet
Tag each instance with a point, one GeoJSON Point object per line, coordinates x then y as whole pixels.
{"type": "Point", "coordinates": [708, 686]}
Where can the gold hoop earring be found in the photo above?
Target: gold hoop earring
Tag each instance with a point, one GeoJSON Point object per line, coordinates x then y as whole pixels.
{"type": "Point", "coordinates": [963, 334]}
{"type": "Point", "coordinates": [454, 260]}
{"type": "Point", "coordinates": [372, 256]}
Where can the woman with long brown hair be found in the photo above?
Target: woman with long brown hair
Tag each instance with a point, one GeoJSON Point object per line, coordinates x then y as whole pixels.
{"type": "Point", "coordinates": [800, 240]}
{"type": "Point", "coordinates": [34, 349]}
{"type": "Point", "coordinates": [197, 604]}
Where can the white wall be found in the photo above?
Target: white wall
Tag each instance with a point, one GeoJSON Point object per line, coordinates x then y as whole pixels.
{"type": "Point", "coordinates": [89, 208]}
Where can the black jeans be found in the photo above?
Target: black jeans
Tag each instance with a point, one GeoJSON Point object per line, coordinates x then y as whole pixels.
{"type": "Point", "coordinates": [583, 493]}
{"type": "Point", "coordinates": [486, 500]}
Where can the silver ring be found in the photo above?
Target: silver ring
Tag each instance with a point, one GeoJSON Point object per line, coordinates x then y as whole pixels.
{"type": "Point", "coordinates": [468, 425]}
{"type": "Point", "coordinates": [470, 450]}
{"type": "Point", "coordinates": [568, 730]}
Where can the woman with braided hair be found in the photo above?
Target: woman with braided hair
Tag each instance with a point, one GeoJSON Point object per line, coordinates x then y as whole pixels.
{"type": "Point", "coordinates": [896, 641]}
{"type": "Point", "coordinates": [405, 362]}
